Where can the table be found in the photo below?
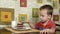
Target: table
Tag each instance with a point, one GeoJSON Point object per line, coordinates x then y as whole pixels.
{"type": "Point", "coordinates": [57, 24]}
{"type": "Point", "coordinates": [22, 32]}
{"type": "Point", "coordinates": [57, 29]}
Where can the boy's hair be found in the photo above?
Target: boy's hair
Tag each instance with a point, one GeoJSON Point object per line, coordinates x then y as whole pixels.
{"type": "Point", "coordinates": [49, 8]}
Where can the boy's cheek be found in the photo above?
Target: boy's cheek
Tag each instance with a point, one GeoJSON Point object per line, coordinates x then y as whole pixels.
{"type": "Point", "coordinates": [43, 18]}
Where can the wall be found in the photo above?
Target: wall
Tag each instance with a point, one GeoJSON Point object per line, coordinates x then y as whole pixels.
{"type": "Point", "coordinates": [15, 4]}
{"type": "Point", "coordinates": [7, 4]}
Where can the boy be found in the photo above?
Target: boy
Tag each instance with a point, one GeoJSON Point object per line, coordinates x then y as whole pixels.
{"type": "Point", "coordinates": [46, 25]}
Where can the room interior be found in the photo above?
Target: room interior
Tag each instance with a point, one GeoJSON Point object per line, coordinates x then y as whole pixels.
{"type": "Point", "coordinates": [17, 12]}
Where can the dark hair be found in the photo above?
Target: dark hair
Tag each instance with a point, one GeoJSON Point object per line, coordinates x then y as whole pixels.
{"type": "Point", "coordinates": [49, 8]}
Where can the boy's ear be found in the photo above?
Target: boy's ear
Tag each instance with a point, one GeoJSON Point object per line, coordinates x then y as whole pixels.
{"type": "Point", "coordinates": [49, 16]}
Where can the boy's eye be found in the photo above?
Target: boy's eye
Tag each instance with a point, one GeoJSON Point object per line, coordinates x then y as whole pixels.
{"type": "Point", "coordinates": [42, 15]}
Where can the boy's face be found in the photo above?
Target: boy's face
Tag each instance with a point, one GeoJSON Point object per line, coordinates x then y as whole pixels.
{"type": "Point", "coordinates": [43, 15]}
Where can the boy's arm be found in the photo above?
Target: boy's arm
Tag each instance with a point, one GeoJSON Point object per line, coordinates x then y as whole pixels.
{"type": "Point", "coordinates": [52, 30]}
{"type": "Point", "coordinates": [48, 31]}
{"type": "Point", "coordinates": [32, 25]}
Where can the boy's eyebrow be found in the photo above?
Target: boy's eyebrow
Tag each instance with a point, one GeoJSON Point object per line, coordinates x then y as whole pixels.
{"type": "Point", "coordinates": [41, 15]}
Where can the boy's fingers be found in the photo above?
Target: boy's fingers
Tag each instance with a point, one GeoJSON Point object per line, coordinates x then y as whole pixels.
{"type": "Point", "coordinates": [45, 32]}
{"type": "Point", "coordinates": [41, 32]}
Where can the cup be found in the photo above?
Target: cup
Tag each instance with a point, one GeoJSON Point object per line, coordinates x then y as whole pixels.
{"type": "Point", "coordinates": [14, 24]}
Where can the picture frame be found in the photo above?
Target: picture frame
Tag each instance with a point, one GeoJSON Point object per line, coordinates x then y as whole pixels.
{"type": "Point", "coordinates": [55, 17]}
{"type": "Point", "coordinates": [59, 1]}
{"type": "Point", "coordinates": [50, 1]}
{"type": "Point", "coordinates": [23, 3]}
{"type": "Point", "coordinates": [35, 12]}
{"type": "Point", "coordinates": [6, 16]}
{"type": "Point", "coordinates": [59, 14]}
{"type": "Point", "coordinates": [40, 1]}
{"type": "Point", "coordinates": [22, 17]}
{"type": "Point", "coordinates": [55, 4]}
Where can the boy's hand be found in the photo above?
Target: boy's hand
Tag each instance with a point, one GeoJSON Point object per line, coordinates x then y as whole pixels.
{"type": "Point", "coordinates": [27, 21]}
{"type": "Point", "coordinates": [44, 31]}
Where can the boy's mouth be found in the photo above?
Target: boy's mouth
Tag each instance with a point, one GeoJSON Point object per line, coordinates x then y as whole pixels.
{"type": "Point", "coordinates": [43, 21]}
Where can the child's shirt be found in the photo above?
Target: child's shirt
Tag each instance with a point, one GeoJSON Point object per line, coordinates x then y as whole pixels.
{"type": "Point", "coordinates": [49, 25]}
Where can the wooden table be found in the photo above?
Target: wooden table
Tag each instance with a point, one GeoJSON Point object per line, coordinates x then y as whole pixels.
{"type": "Point", "coordinates": [21, 32]}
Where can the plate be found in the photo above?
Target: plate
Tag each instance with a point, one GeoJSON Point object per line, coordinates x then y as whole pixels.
{"type": "Point", "coordinates": [20, 29]}
{"type": "Point", "coordinates": [23, 29]}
